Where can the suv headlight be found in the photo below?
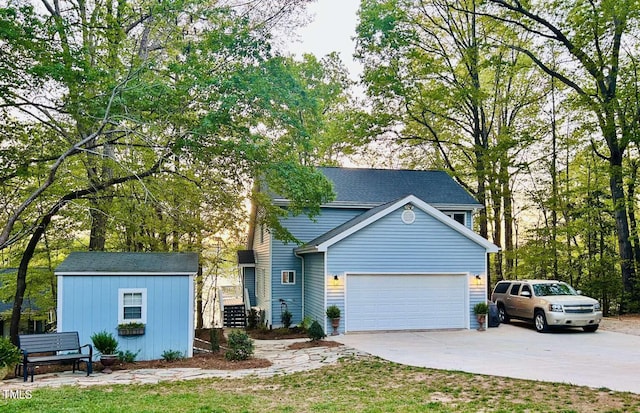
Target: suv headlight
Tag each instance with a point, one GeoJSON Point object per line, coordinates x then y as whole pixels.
{"type": "Point", "coordinates": [556, 308]}
{"type": "Point", "coordinates": [596, 307]}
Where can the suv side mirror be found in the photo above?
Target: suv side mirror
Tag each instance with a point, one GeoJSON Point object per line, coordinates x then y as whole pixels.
{"type": "Point", "coordinates": [526, 294]}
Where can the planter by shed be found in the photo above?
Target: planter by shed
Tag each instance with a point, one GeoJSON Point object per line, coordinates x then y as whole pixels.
{"type": "Point", "coordinates": [137, 331]}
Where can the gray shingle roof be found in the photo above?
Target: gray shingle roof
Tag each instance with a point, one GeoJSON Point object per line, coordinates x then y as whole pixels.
{"type": "Point", "coordinates": [356, 186]}
{"type": "Point", "coordinates": [98, 262]}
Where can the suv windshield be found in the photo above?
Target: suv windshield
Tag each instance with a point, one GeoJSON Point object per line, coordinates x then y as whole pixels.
{"type": "Point", "coordinates": [541, 290]}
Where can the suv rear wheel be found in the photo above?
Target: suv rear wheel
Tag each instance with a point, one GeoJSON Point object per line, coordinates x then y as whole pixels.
{"type": "Point", "coordinates": [502, 314]}
{"type": "Point", "coordinates": [540, 321]}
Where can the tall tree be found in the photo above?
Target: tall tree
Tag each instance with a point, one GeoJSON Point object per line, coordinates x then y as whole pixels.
{"type": "Point", "coordinates": [122, 89]}
{"type": "Point", "coordinates": [440, 84]}
{"type": "Point", "coordinates": [592, 35]}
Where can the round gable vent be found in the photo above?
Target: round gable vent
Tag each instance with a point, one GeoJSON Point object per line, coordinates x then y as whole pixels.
{"type": "Point", "coordinates": [408, 216]}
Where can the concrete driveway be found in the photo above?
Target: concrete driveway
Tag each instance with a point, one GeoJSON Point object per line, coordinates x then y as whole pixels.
{"type": "Point", "coordinates": [601, 359]}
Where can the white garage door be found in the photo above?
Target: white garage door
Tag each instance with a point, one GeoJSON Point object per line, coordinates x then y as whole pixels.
{"type": "Point", "coordinates": [405, 302]}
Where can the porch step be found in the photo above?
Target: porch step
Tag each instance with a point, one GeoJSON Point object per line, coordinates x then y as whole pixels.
{"type": "Point", "coordinates": [234, 316]}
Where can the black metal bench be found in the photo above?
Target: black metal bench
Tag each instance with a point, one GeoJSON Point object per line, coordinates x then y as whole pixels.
{"type": "Point", "coordinates": [34, 345]}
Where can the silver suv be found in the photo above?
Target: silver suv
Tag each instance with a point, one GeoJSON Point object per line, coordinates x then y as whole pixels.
{"type": "Point", "coordinates": [546, 303]}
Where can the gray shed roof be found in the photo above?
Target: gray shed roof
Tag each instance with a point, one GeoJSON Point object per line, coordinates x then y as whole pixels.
{"type": "Point", "coordinates": [142, 263]}
{"type": "Point", "coordinates": [372, 187]}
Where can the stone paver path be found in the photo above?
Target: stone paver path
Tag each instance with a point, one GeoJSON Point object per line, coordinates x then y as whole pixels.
{"type": "Point", "coordinates": [283, 361]}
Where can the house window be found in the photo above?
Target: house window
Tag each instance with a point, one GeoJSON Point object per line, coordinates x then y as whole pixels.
{"type": "Point", "coordinates": [288, 277]}
{"type": "Point", "coordinates": [132, 305]}
{"type": "Point", "coordinates": [457, 216]}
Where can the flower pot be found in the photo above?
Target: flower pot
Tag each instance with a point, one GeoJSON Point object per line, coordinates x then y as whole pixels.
{"type": "Point", "coordinates": [4, 370]}
{"type": "Point", "coordinates": [138, 331]}
{"type": "Point", "coordinates": [481, 319]}
{"type": "Point", "coordinates": [335, 323]}
{"type": "Point", "coordinates": [108, 360]}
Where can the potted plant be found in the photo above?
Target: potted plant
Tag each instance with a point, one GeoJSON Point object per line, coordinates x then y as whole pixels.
{"type": "Point", "coordinates": [107, 345]}
{"type": "Point", "coordinates": [480, 310]}
{"type": "Point", "coordinates": [333, 313]}
{"type": "Point", "coordinates": [9, 356]}
{"type": "Point", "coordinates": [131, 329]}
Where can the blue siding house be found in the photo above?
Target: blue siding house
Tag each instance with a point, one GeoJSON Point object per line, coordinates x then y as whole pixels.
{"type": "Point", "coordinates": [394, 250]}
{"type": "Point", "coordinates": [100, 290]}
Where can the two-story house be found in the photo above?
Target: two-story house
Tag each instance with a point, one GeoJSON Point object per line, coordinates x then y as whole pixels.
{"type": "Point", "coordinates": [394, 250]}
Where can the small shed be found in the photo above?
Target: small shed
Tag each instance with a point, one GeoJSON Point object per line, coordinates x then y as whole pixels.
{"type": "Point", "coordinates": [101, 290]}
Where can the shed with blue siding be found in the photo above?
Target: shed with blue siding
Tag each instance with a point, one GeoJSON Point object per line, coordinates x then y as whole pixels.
{"type": "Point", "coordinates": [97, 291]}
{"type": "Point", "coordinates": [395, 250]}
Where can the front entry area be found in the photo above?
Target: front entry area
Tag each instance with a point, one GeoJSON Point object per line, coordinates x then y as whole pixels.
{"type": "Point", "coordinates": [385, 302]}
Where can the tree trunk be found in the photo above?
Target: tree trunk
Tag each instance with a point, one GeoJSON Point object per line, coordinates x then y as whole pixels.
{"type": "Point", "coordinates": [622, 224]}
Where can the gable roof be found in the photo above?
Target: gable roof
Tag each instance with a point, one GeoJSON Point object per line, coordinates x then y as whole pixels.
{"type": "Point", "coordinates": [129, 263]}
{"type": "Point", "coordinates": [372, 187]}
{"type": "Point", "coordinates": [324, 241]}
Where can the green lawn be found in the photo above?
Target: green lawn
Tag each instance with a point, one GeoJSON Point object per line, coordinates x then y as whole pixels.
{"type": "Point", "coordinates": [356, 385]}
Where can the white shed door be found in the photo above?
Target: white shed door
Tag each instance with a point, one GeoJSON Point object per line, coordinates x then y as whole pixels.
{"type": "Point", "coordinates": [405, 302]}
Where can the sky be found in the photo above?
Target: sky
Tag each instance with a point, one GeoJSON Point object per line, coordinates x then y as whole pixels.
{"type": "Point", "coordinates": [332, 26]}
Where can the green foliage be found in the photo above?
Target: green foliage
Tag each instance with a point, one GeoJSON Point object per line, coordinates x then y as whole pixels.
{"type": "Point", "coordinates": [9, 354]}
{"type": "Point", "coordinates": [128, 356]}
{"type": "Point", "coordinates": [105, 343]}
{"type": "Point", "coordinates": [315, 331]}
{"type": "Point", "coordinates": [130, 325]}
{"type": "Point", "coordinates": [305, 323]}
{"type": "Point", "coordinates": [285, 318]}
{"type": "Point", "coordinates": [480, 308]}
{"type": "Point", "coordinates": [252, 319]}
{"type": "Point", "coordinates": [333, 312]}
{"type": "Point", "coordinates": [240, 346]}
{"type": "Point", "coordinates": [172, 355]}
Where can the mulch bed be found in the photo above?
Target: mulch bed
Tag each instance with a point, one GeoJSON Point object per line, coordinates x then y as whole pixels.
{"type": "Point", "coordinates": [209, 361]}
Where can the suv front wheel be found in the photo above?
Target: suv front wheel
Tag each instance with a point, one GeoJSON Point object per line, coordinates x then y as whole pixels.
{"type": "Point", "coordinates": [540, 321]}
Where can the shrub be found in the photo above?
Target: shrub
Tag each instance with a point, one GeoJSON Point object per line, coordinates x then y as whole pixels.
{"type": "Point", "coordinates": [316, 332]}
{"type": "Point", "coordinates": [333, 312]}
{"type": "Point", "coordinates": [305, 323]}
{"type": "Point", "coordinates": [480, 308]}
{"type": "Point", "coordinates": [105, 343]}
{"type": "Point", "coordinates": [252, 319]}
{"type": "Point", "coordinates": [285, 317]}
{"type": "Point", "coordinates": [172, 355]}
{"type": "Point", "coordinates": [128, 356]}
{"type": "Point", "coordinates": [240, 346]}
{"type": "Point", "coordinates": [9, 354]}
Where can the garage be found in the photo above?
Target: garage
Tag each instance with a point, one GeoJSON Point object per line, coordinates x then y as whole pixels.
{"type": "Point", "coordinates": [405, 302]}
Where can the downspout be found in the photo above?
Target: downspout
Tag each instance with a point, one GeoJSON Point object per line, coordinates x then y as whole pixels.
{"type": "Point", "coordinates": [303, 281]}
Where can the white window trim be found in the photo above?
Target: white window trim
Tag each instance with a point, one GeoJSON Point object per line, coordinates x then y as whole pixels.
{"type": "Point", "coordinates": [451, 214]}
{"type": "Point", "coordinates": [282, 277]}
{"type": "Point", "coordinates": [143, 315]}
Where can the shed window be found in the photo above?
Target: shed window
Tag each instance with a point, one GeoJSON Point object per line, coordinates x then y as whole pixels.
{"type": "Point", "coordinates": [132, 305]}
{"type": "Point", "coordinates": [288, 277]}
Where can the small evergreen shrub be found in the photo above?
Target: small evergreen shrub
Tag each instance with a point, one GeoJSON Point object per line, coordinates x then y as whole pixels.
{"type": "Point", "coordinates": [316, 332]}
{"type": "Point", "coordinates": [333, 312]}
{"type": "Point", "coordinates": [9, 354]}
{"type": "Point", "coordinates": [240, 346]}
{"type": "Point", "coordinates": [128, 356]}
{"type": "Point", "coordinates": [253, 318]}
{"type": "Point", "coordinates": [172, 355]}
{"type": "Point", "coordinates": [105, 343]}
{"type": "Point", "coordinates": [285, 318]}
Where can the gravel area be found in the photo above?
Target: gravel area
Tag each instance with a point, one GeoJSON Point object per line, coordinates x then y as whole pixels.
{"type": "Point", "coordinates": [627, 324]}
